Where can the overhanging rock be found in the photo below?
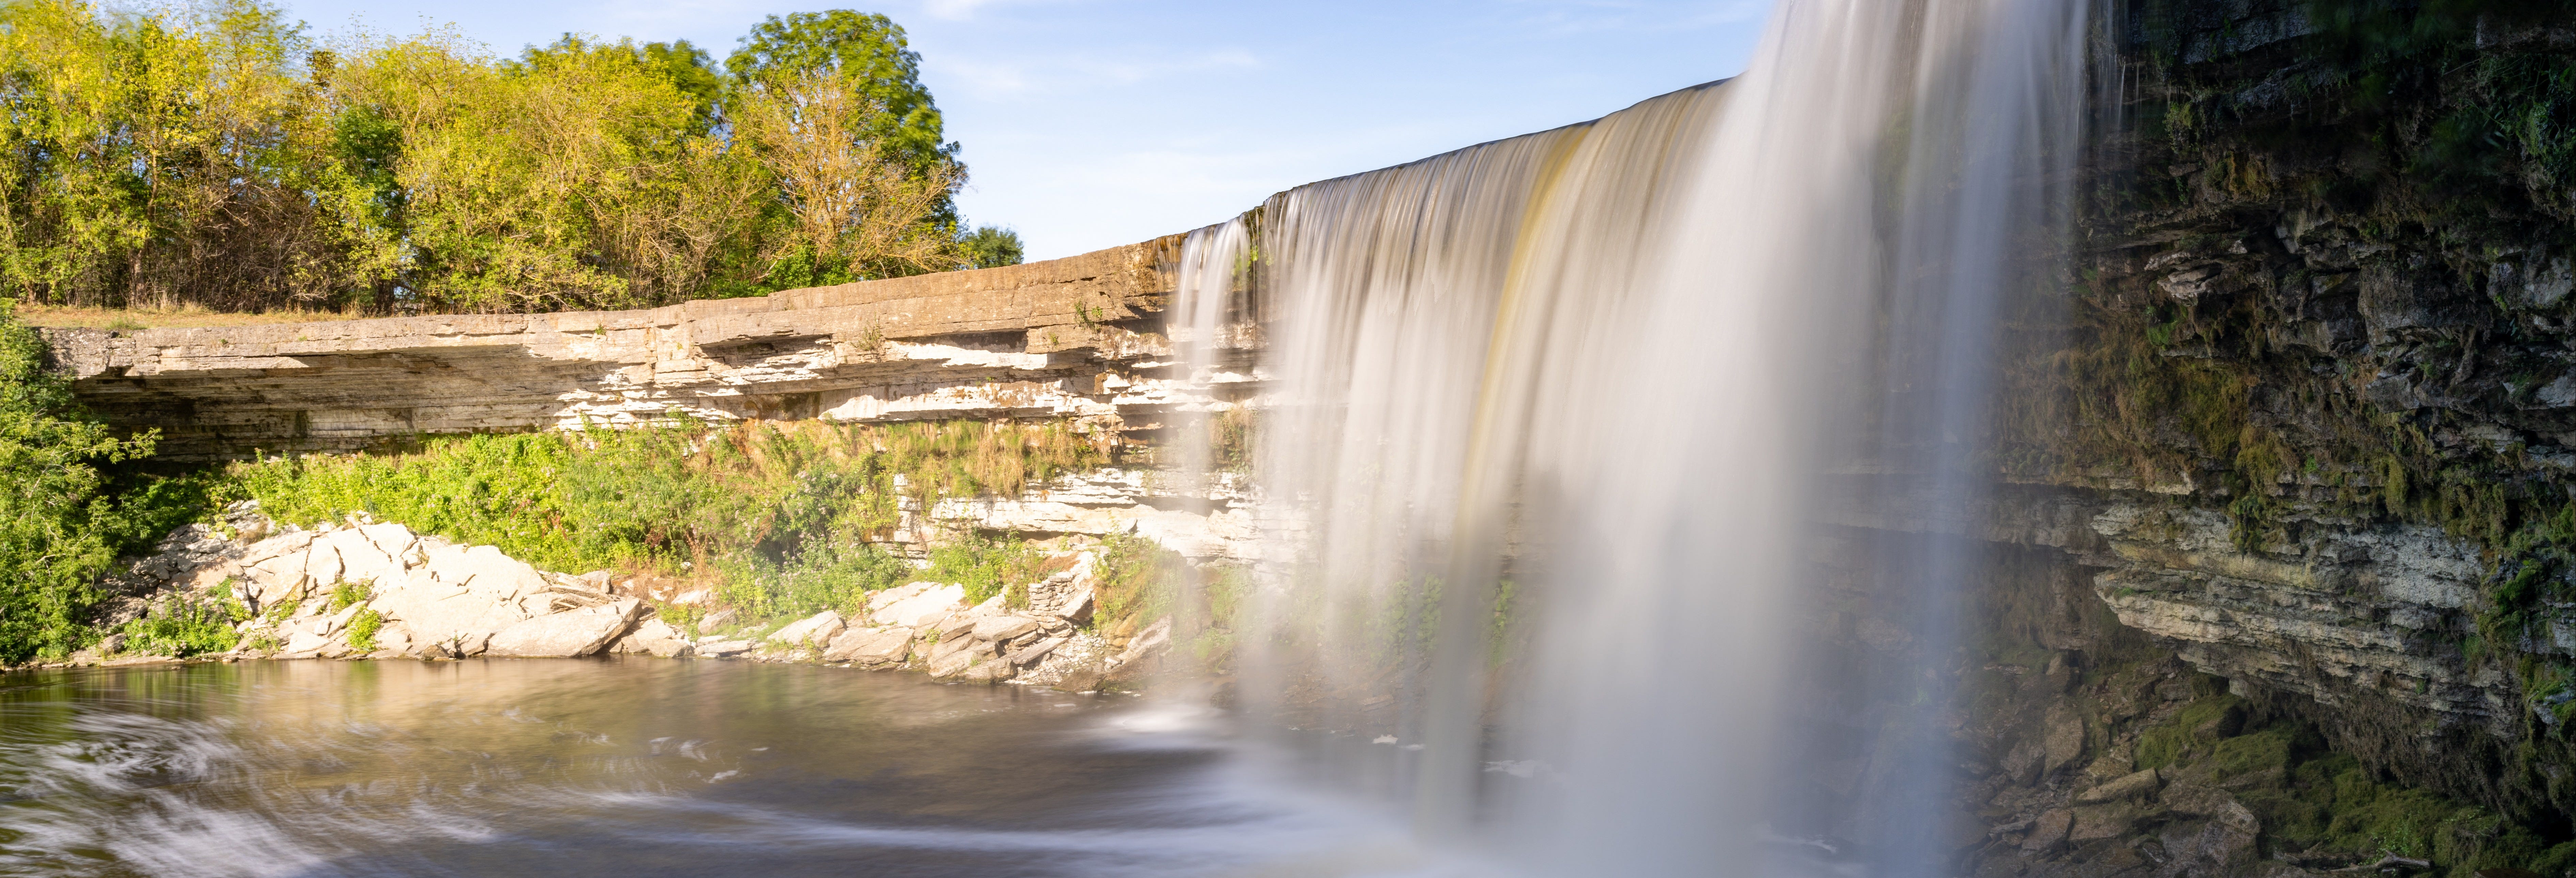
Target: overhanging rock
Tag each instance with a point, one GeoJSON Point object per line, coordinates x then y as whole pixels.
{"type": "Point", "coordinates": [1061, 338]}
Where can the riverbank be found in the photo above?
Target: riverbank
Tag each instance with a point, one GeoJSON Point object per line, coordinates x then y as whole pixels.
{"type": "Point", "coordinates": [249, 587]}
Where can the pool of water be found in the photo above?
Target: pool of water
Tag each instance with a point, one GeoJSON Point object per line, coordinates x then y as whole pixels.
{"type": "Point", "coordinates": [638, 767]}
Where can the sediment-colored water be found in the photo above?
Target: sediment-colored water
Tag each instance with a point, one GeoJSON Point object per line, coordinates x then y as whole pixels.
{"type": "Point", "coordinates": [635, 767]}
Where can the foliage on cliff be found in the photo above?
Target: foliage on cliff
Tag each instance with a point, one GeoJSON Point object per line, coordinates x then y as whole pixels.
{"type": "Point", "coordinates": [62, 521]}
{"type": "Point", "coordinates": [777, 515]}
{"type": "Point", "coordinates": [214, 154]}
{"type": "Point", "coordinates": [2327, 280]}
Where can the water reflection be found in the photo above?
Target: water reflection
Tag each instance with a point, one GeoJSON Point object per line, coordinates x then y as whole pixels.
{"type": "Point", "coordinates": [635, 767]}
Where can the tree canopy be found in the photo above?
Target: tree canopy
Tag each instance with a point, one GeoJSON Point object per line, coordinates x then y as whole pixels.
{"type": "Point", "coordinates": [216, 154]}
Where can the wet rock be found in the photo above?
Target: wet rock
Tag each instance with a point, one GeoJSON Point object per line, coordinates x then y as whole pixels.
{"type": "Point", "coordinates": [2128, 786]}
{"type": "Point", "coordinates": [2062, 738]}
{"type": "Point", "coordinates": [2048, 832]}
{"type": "Point", "coordinates": [572, 633]}
{"type": "Point", "coordinates": [2097, 822]}
{"type": "Point", "coordinates": [871, 646]}
{"type": "Point", "coordinates": [816, 629]}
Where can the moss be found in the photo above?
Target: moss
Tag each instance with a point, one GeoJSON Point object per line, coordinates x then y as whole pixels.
{"type": "Point", "coordinates": [2193, 731]}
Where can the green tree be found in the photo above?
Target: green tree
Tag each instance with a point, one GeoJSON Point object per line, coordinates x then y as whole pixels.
{"type": "Point", "coordinates": [60, 527]}
{"type": "Point", "coordinates": [865, 49]}
{"type": "Point", "coordinates": [990, 247]}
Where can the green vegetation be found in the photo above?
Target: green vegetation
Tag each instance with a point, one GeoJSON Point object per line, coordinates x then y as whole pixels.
{"type": "Point", "coordinates": [1139, 581]}
{"type": "Point", "coordinates": [63, 518]}
{"type": "Point", "coordinates": [175, 626]}
{"type": "Point", "coordinates": [2312, 799]}
{"type": "Point", "coordinates": [215, 154]}
{"type": "Point", "coordinates": [777, 516]}
{"type": "Point", "coordinates": [988, 567]}
{"type": "Point", "coordinates": [345, 593]}
{"type": "Point", "coordinates": [362, 629]}
{"type": "Point", "coordinates": [989, 247]}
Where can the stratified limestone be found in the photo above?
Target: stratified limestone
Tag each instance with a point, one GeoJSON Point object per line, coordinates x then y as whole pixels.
{"type": "Point", "coordinates": [1047, 339]}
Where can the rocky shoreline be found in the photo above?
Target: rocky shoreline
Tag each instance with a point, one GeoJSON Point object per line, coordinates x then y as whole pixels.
{"type": "Point", "coordinates": [362, 589]}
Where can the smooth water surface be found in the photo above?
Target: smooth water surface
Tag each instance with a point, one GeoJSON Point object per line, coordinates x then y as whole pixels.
{"type": "Point", "coordinates": [633, 767]}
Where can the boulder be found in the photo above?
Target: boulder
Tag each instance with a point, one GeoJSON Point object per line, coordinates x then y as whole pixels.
{"type": "Point", "coordinates": [1035, 651]}
{"type": "Point", "coordinates": [655, 637]}
{"type": "Point", "coordinates": [988, 670]}
{"type": "Point", "coordinates": [2048, 833]}
{"type": "Point", "coordinates": [958, 656]}
{"type": "Point", "coordinates": [724, 648]}
{"type": "Point", "coordinates": [569, 633]}
{"type": "Point", "coordinates": [2063, 741]}
{"type": "Point", "coordinates": [273, 570]}
{"type": "Point", "coordinates": [716, 621]}
{"type": "Point", "coordinates": [460, 590]}
{"type": "Point", "coordinates": [2129, 786]}
{"type": "Point", "coordinates": [1003, 627]}
{"type": "Point", "coordinates": [303, 642]}
{"type": "Point", "coordinates": [2097, 822]}
{"type": "Point", "coordinates": [955, 645]}
{"type": "Point", "coordinates": [816, 629]}
{"type": "Point", "coordinates": [372, 553]}
{"type": "Point", "coordinates": [871, 646]}
{"type": "Point", "coordinates": [922, 607]}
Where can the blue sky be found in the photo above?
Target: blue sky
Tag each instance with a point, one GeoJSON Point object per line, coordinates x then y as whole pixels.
{"type": "Point", "coordinates": [1093, 123]}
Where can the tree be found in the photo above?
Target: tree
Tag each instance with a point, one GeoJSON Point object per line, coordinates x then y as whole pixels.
{"type": "Point", "coordinates": [989, 247]}
{"type": "Point", "coordinates": [858, 209]}
{"type": "Point", "coordinates": [59, 526]}
{"type": "Point", "coordinates": [865, 49]}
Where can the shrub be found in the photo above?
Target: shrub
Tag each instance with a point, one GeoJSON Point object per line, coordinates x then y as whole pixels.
{"type": "Point", "coordinates": [176, 626]}
{"type": "Point", "coordinates": [61, 521]}
{"type": "Point", "coordinates": [780, 516]}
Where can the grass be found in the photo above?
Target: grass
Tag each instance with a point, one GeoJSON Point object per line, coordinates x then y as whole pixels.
{"type": "Point", "coordinates": [179, 317]}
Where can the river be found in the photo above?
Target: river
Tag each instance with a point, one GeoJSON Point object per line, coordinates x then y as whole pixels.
{"type": "Point", "coordinates": [637, 767]}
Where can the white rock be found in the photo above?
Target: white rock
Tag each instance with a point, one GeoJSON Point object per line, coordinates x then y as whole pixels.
{"type": "Point", "coordinates": [655, 637]}
{"type": "Point", "coordinates": [569, 633]}
{"type": "Point", "coordinates": [1003, 627]}
{"type": "Point", "coordinates": [924, 607]}
{"type": "Point", "coordinates": [304, 642]}
{"type": "Point", "coordinates": [460, 590]}
{"type": "Point", "coordinates": [873, 646]}
{"type": "Point", "coordinates": [819, 628]}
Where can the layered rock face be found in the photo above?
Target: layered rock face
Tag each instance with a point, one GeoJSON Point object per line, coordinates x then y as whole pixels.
{"type": "Point", "coordinates": [1061, 338]}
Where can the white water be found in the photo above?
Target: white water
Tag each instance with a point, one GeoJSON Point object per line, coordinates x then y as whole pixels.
{"type": "Point", "coordinates": [1592, 380]}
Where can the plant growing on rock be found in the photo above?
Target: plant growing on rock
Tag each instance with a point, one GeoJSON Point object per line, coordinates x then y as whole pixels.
{"type": "Point", "coordinates": [363, 628]}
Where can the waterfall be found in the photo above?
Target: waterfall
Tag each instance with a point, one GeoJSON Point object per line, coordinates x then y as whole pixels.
{"type": "Point", "coordinates": [1546, 424]}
